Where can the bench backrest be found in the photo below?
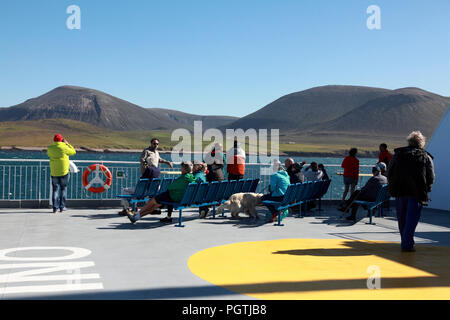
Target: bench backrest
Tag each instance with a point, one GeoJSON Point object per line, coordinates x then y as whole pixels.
{"type": "Point", "coordinates": [220, 195]}
{"type": "Point", "coordinates": [289, 195]}
{"type": "Point", "coordinates": [212, 191]}
{"type": "Point", "coordinates": [189, 194]}
{"type": "Point", "coordinates": [309, 190]}
{"type": "Point", "coordinates": [165, 184]}
{"type": "Point", "coordinates": [382, 194]}
{"type": "Point", "coordinates": [247, 185]}
{"type": "Point", "coordinates": [325, 186]}
{"type": "Point", "coordinates": [200, 195]}
{"type": "Point", "coordinates": [238, 187]}
{"type": "Point", "coordinates": [254, 185]}
{"type": "Point", "coordinates": [139, 190]}
{"type": "Point", "coordinates": [300, 189]}
{"type": "Point", "coordinates": [230, 189]}
{"type": "Point", "coordinates": [317, 188]}
{"type": "Point", "coordinates": [152, 187]}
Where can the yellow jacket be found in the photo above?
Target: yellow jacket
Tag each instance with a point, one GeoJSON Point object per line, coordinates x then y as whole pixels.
{"type": "Point", "coordinates": [59, 153]}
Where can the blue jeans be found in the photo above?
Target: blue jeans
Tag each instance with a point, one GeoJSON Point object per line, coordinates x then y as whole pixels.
{"type": "Point", "coordinates": [408, 215]}
{"type": "Point", "coordinates": [59, 184]}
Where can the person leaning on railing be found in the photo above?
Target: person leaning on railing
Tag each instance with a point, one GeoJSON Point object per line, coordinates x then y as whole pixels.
{"type": "Point", "coordinates": [236, 162]}
{"type": "Point", "coordinates": [59, 153]}
{"type": "Point", "coordinates": [351, 172]}
{"type": "Point", "coordinates": [174, 193]}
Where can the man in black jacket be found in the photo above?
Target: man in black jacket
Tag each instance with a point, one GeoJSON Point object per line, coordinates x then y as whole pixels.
{"type": "Point", "coordinates": [294, 171]}
{"type": "Point", "coordinates": [367, 193]}
{"type": "Point", "coordinates": [411, 176]}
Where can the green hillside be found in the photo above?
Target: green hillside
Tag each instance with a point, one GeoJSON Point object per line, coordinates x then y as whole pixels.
{"type": "Point", "coordinates": [40, 134]}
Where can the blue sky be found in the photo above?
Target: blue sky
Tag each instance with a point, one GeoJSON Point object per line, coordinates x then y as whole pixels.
{"type": "Point", "coordinates": [220, 57]}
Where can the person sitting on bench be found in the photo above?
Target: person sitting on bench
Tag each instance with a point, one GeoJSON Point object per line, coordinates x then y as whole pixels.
{"type": "Point", "coordinates": [367, 193]}
{"type": "Point", "coordinates": [279, 182]}
{"type": "Point", "coordinates": [174, 193]}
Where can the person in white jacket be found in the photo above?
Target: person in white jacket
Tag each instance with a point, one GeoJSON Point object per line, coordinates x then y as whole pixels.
{"type": "Point", "coordinates": [312, 172]}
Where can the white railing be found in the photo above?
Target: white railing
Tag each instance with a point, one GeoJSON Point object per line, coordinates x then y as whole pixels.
{"type": "Point", "coordinates": [29, 179]}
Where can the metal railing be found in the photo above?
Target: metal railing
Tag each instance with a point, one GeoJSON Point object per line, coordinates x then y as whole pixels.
{"type": "Point", "coordinates": [29, 179]}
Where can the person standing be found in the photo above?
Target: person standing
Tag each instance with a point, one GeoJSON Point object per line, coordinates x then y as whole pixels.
{"type": "Point", "coordinates": [215, 161]}
{"type": "Point", "coordinates": [150, 157]}
{"type": "Point", "coordinates": [236, 162]}
{"type": "Point", "coordinates": [351, 172]}
{"type": "Point", "coordinates": [384, 156]}
{"type": "Point", "coordinates": [58, 154]}
{"type": "Point", "coordinates": [410, 176]}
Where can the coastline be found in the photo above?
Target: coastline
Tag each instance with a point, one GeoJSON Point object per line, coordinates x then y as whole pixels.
{"type": "Point", "coordinates": [362, 154]}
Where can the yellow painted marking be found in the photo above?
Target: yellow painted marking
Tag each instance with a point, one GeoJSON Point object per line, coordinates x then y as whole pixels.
{"type": "Point", "coordinates": [325, 269]}
{"type": "Point", "coordinates": [361, 174]}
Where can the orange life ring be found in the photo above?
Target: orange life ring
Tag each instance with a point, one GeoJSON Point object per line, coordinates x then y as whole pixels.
{"type": "Point", "coordinates": [96, 168]}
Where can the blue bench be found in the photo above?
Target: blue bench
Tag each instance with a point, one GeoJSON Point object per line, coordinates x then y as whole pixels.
{"type": "Point", "coordinates": [382, 196]}
{"type": "Point", "coordinates": [146, 190]}
{"type": "Point", "coordinates": [310, 191]}
{"type": "Point", "coordinates": [297, 194]}
{"type": "Point", "coordinates": [139, 192]}
{"type": "Point", "coordinates": [151, 190]}
{"type": "Point", "coordinates": [209, 194]}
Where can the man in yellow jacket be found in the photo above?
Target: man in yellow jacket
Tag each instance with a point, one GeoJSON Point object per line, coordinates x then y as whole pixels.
{"type": "Point", "coordinates": [59, 153]}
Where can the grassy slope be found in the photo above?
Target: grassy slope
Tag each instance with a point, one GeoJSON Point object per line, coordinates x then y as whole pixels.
{"type": "Point", "coordinates": [40, 134]}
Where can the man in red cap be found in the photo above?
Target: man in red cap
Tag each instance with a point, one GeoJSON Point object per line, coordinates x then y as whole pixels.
{"type": "Point", "coordinates": [59, 153]}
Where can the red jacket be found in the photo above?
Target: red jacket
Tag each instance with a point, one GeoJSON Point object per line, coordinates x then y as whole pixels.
{"type": "Point", "coordinates": [385, 156]}
{"type": "Point", "coordinates": [351, 167]}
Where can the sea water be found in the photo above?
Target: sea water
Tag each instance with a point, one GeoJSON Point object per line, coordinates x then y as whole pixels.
{"type": "Point", "coordinates": [21, 180]}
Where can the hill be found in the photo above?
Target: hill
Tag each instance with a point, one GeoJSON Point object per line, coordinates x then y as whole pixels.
{"type": "Point", "coordinates": [395, 114]}
{"type": "Point", "coordinates": [102, 110]}
{"type": "Point", "coordinates": [350, 110]}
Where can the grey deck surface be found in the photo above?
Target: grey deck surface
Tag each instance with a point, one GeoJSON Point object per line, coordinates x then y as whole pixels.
{"type": "Point", "coordinates": [148, 260]}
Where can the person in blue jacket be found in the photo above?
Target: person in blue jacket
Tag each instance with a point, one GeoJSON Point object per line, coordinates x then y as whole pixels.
{"type": "Point", "coordinates": [279, 182]}
{"type": "Point", "coordinates": [199, 172]}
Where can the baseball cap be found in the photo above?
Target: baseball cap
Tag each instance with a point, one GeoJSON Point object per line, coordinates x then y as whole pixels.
{"type": "Point", "coordinates": [381, 166]}
{"type": "Point", "coordinates": [58, 138]}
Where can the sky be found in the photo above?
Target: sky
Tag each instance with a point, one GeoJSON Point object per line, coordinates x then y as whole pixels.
{"type": "Point", "coordinates": [215, 57]}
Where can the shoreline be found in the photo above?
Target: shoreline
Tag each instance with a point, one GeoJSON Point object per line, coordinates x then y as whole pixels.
{"type": "Point", "coordinates": [373, 154]}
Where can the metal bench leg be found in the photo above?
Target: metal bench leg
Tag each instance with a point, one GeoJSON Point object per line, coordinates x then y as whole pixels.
{"type": "Point", "coordinates": [370, 217]}
{"type": "Point", "coordinates": [320, 205]}
{"type": "Point", "coordinates": [300, 211]}
{"type": "Point", "coordinates": [180, 219]}
{"type": "Point", "coordinates": [279, 220]}
{"type": "Point", "coordinates": [214, 211]}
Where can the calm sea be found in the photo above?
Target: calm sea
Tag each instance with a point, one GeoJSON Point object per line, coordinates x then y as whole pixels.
{"type": "Point", "coordinates": [135, 157]}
